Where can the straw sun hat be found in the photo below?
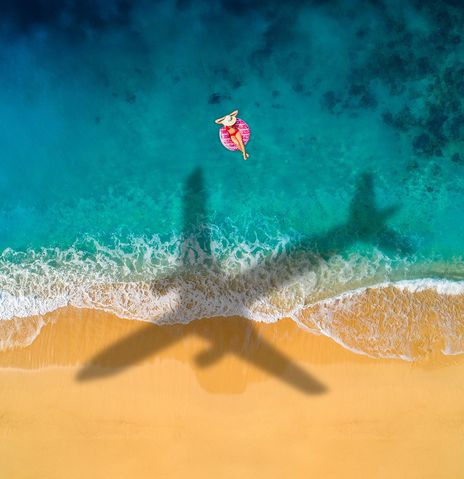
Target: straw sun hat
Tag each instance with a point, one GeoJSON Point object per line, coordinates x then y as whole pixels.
{"type": "Point", "coordinates": [229, 119]}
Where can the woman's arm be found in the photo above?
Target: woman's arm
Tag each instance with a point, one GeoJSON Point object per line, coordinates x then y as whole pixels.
{"type": "Point", "coordinates": [220, 120]}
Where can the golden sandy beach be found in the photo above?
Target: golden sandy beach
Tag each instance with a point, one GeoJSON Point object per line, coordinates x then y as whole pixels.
{"type": "Point", "coordinates": [183, 408]}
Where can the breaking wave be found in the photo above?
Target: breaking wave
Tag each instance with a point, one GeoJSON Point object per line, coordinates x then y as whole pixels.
{"type": "Point", "coordinates": [370, 303]}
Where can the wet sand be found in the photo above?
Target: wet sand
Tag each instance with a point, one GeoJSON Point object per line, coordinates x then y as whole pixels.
{"type": "Point", "coordinates": [221, 397]}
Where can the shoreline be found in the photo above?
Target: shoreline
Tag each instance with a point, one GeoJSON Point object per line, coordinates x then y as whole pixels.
{"type": "Point", "coordinates": [407, 320]}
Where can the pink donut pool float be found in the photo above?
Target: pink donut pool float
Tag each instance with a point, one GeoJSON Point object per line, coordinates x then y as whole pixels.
{"type": "Point", "coordinates": [226, 140]}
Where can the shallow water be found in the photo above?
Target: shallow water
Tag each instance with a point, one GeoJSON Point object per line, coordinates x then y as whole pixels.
{"type": "Point", "coordinates": [117, 194]}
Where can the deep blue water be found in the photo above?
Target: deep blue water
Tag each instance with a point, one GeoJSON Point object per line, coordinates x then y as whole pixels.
{"type": "Point", "coordinates": [356, 157]}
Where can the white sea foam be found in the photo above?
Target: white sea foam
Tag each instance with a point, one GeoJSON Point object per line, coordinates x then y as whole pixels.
{"type": "Point", "coordinates": [24, 306]}
{"type": "Point", "coordinates": [141, 278]}
{"type": "Point", "coordinates": [175, 281]}
{"type": "Point", "coordinates": [441, 286]}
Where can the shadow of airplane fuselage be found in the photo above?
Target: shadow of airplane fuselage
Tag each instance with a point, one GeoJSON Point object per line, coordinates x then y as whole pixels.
{"type": "Point", "coordinates": [366, 223]}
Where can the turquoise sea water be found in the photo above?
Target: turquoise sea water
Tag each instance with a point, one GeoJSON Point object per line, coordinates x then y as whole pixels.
{"type": "Point", "coordinates": [117, 194]}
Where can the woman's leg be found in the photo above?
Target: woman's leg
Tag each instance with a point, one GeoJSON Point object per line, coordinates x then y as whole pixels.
{"type": "Point", "coordinates": [241, 145]}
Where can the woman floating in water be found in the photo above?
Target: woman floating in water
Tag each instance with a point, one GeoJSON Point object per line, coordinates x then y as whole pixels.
{"type": "Point", "coordinates": [235, 133]}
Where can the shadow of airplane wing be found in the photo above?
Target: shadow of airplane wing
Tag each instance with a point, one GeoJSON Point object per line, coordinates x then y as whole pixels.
{"type": "Point", "coordinates": [366, 222]}
{"type": "Point", "coordinates": [146, 341]}
{"type": "Point", "coordinates": [126, 352]}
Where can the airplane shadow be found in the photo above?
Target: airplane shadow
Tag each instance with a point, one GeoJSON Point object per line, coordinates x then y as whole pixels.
{"type": "Point", "coordinates": [366, 222]}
